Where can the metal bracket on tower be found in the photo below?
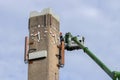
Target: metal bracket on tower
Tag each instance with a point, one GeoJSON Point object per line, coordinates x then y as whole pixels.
{"type": "Point", "coordinates": [61, 51]}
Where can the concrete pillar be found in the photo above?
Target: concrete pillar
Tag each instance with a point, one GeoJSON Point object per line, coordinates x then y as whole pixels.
{"type": "Point", "coordinates": [43, 41]}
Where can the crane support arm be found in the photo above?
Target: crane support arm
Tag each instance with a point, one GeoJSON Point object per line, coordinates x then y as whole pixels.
{"type": "Point", "coordinates": [88, 52]}
{"type": "Point", "coordinates": [115, 75]}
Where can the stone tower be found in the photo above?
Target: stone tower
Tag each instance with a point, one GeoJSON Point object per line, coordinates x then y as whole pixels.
{"type": "Point", "coordinates": [43, 41]}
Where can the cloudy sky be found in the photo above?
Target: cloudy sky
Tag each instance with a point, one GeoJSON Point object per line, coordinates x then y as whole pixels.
{"type": "Point", "coordinates": [97, 20]}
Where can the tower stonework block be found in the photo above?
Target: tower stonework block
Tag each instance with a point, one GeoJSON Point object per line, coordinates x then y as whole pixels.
{"type": "Point", "coordinates": [43, 41]}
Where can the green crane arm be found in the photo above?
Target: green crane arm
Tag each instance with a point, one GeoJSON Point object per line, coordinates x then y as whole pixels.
{"type": "Point", "coordinates": [113, 74]}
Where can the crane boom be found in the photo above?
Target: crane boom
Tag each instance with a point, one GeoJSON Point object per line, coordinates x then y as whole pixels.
{"type": "Point", "coordinates": [115, 75]}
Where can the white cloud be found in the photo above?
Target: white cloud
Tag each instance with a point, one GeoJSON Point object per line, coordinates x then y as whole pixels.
{"type": "Point", "coordinates": [113, 4]}
{"type": "Point", "coordinates": [89, 12]}
{"type": "Point", "coordinates": [77, 16]}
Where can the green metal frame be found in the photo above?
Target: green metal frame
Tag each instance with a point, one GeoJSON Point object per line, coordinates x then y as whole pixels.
{"type": "Point", "coordinates": [115, 75]}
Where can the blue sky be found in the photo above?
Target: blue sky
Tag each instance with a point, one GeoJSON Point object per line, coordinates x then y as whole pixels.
{"type": "Point", "coordinates": [97, 20]}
